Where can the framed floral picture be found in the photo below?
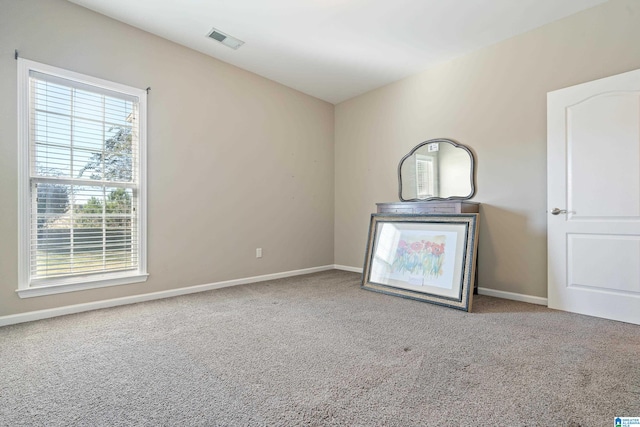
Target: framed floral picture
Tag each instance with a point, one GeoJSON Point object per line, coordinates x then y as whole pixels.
{"type": "Point", "coordinates": [429, 258]}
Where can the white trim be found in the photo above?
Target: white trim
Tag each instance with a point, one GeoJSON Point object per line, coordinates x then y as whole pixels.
{"type": "Point", "coordinates": [26, 286]}
{"type": "Point", "coordinates": [82, 78]}
{"type": "Point", "coordinates": [142, 182]}
{"type": "Point", "coordinates": [24, 201]}
{"type": "Point", "coordinates": [481, 291]}
{"type": "Point", "coordinates": [347, 268]}
{"type": "Point", "coordinates": [512, 296]}
{"type": "Point", "coordinates": [81, 283]}
{"type": "Point", "coordinates": [96, 305]}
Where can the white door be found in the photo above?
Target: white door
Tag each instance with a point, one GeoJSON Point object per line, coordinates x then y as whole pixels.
{"type": "Point", "coordinates": [593, 173]}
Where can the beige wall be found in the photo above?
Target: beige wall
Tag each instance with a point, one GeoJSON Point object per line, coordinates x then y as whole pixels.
{"type": "Point", "coordinates": [235, 161]}
{"type": "Point", "coordinates": [494, 101]}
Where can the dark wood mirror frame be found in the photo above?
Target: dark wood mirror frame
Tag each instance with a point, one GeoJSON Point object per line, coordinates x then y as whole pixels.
{"type": "Point", "coordinates": [453, 197]}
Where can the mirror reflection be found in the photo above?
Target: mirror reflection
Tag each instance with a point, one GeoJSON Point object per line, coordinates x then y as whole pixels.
{"type": "Point", "coordinates": [437, 169]}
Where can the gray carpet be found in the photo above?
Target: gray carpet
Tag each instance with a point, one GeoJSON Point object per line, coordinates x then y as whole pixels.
{"type": "Point", "coordinates": [318, 350]}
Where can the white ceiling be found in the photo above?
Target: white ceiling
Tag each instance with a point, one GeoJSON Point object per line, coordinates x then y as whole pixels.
{"type": "Point", "coordinates": [337, 49]}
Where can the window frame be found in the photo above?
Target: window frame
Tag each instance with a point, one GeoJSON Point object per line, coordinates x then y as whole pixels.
{"type": "Point", "coordinates": [75, 282]}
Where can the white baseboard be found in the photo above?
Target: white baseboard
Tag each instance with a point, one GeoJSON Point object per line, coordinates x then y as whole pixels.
{"type": "Point", "coordinates": [482, 291]}
{"type": "Point", "coordinates": [79, 308]}
{"type": "Point", "coordinates": [96, 305]}
{"type": "Point", "coordinates": [347, 268]}
{"type": "Point", "coordinates": [512, 296]}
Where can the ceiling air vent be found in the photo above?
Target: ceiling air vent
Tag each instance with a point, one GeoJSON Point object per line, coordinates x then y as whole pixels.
{"type": "Point", "coordinates": [225, 39]}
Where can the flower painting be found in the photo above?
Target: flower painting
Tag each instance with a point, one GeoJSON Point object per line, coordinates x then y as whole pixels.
{"type": "Point", "coordinates": [423, 258]}
{"type": "Point", "coordinates": [420, 257]}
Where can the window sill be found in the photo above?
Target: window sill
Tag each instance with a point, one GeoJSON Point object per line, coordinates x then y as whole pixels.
{"type": "Point", "coordinates": [80, 284]}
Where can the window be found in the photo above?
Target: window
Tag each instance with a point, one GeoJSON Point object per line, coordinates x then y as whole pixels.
{"type": "Point", "coordinates": [82, 181]}
{"type": "Point", "coordinates": [425, 176]}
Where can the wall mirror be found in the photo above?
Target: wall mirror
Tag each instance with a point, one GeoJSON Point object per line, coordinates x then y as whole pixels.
{"type": "Point", "coordinates": [438, 169]}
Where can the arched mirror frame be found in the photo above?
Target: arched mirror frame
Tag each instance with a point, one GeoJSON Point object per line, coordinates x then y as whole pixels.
{"type": "Point", "coordinates": [472, 172]}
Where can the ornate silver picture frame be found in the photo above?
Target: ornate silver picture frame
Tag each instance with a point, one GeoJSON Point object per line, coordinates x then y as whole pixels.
{"type": "Point", "coordinates": [429, 258]}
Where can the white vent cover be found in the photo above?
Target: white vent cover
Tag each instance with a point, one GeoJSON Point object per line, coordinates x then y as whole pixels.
{"type": "Point", "coordinates": [225, 39]}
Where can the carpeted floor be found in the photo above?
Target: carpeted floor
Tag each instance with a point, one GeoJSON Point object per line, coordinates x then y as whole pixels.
{"type": "Point", "coordinates": [318, 350]}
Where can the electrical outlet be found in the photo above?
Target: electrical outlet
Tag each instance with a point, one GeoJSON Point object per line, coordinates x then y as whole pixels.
{"type": "Point", "coordinates": [258, 252]}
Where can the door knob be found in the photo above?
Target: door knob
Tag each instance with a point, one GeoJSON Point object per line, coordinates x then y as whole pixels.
{"type": "Point", "coordinates": [556, 211]}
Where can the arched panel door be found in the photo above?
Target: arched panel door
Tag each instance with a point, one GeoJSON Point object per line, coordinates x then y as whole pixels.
{"type": "Point", "coordinates": [593, 149]}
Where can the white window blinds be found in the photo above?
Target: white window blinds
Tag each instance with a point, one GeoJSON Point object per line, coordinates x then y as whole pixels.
{"type": "Point", "coordinates": [425, 177]}
{"type": "Point", "coordinates": [84, 176]}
